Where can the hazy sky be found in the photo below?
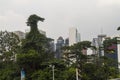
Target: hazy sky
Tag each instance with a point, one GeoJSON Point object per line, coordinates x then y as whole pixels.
{"type": "Point", "coordinates": [90, 17]}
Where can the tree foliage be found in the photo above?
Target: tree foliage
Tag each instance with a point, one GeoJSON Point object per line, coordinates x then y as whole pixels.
{"type": "Point", "coordinates": [35, 57]}
{"type": "Point", "coordinates": [9, 45]}
{"type": "Point", "coordinates": [34, 51]}
{"type": "Point", "coordinates": [98, 69]}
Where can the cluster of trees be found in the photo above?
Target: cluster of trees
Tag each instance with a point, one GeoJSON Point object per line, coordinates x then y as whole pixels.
{"type": "Point", "coordinates": [33, 54]}
{"type": "Point", "coordinates": [90, 67]}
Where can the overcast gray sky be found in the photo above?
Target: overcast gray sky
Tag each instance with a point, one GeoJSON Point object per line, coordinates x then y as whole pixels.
{"type": "Point", "coordinates": [88, 16]}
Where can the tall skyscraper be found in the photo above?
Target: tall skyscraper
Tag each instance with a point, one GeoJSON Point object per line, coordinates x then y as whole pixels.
{"type": "Point", "coordinates": [101, 38]}
{"type": "Point", "coordinates": [95, 43]}
{"type": "Point", "coordinates": [67, 42]}
{"type": "Point", "coordinates": [59, 45]}
{"type": "Point", "coordinates": [51, 45]}
{"type": "Point", "coordinates": [74, 36]}
{"type": "Point", "coordinates": [98, 43]}
{"type": "Point", "coordinates": [99, 47]}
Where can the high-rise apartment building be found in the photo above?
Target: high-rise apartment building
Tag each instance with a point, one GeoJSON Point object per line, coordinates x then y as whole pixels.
{"type": "Point", "coordinates": [74, 36]}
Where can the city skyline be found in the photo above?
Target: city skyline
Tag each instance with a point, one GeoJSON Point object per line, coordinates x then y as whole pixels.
{"type": "Point", "coordinates": [90, 17]}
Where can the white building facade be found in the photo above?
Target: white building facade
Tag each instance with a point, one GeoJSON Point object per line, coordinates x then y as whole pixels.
{"type": "Point", "coordinates": [74, 36]}
{"type": "Point", "coordinates": [20, 34]}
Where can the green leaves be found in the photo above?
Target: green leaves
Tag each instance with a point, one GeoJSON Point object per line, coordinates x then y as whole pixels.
{"type": "Point", "coordinates": [9, 71]}
{"type": "Point", "coordinates": [110, 45]}
{"type": "Point", "coordinates": [9, 45]}
{"type": "Point", "coordinates": [34, 50]}
{"type": "Point", "coordinates": [34, 39]}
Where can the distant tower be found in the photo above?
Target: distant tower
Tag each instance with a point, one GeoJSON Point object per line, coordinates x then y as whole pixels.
{"type": "Point", "coordinates": [67, 42]}
{"type": "Point", "coordinates": [98, 43]}
{"type": "Point", "coordinates": [59, 45]}
{"type": "Point", "coordinates": [101, 38]}
{"type": "Point", "coordinates": [74, 36]}
{"type": "Point", "coordinates": [95, 43]}
{"type": "Point", "coordinates": [51, 45]}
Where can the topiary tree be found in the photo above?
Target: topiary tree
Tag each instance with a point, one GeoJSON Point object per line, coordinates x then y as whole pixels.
{"type": "Point", "coordinates": [34, 48]}
{"type": "Point", "coordinates": [34, 39]}
{"type": "Point", "coordinates": [118, 28]}
{"type": "Point", "coordinates": [32, 22]}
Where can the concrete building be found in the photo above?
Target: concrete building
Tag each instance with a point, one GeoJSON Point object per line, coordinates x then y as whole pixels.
{"type": "Point", "coordinates": [95, 43]}
{"type": "Point", "coordinates": [59, 45]}
{"type": "Point", "coordinates": [42, 32]}
{"type": "Point", "coordinates": [114, 51]}
{"type": "Point", "coordinates": [67, 42]}
{"type": "Point", "coordinates": [51, 45]}
{"type": "Point", "coordinates": [118, 53]}
{"type": "Point", "coordinates": [20, 34]}
{"type": "Point", "coordinates": [98, 43]}
{"type": "Point", "coordinates": [74, 36]}
{"type": "Point", "coordinates": [101, 38]}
